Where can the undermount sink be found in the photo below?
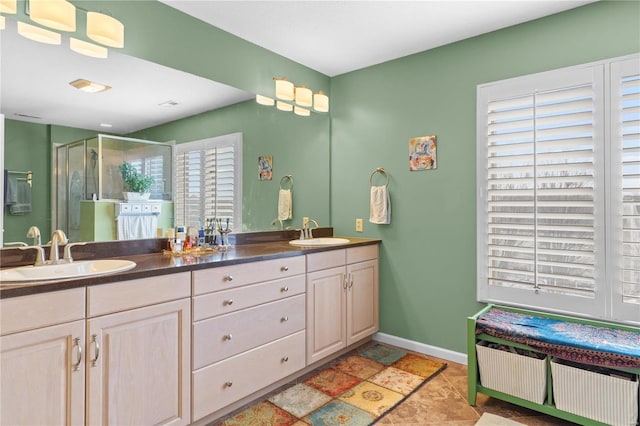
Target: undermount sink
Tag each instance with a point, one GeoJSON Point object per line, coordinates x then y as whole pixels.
{"type": "Point", "coordinates": [77, 269]}
{"type": "Point", "coordinates": [319, 242]}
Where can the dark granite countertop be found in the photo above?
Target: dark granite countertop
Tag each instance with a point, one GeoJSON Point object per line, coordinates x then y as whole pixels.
{"type": "Point", "coordinates": [157, 263]}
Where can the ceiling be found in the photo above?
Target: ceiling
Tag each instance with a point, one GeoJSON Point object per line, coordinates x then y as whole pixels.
{"type": "Point", "coordinates": [332, 37]}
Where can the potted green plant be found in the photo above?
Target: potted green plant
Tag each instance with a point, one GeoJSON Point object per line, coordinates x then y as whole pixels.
{"type": "Point", "coordinates": [136, 185]}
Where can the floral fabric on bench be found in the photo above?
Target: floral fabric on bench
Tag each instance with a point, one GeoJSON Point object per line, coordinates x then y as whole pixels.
{"type": "Point", "coordinates": [572, 341]}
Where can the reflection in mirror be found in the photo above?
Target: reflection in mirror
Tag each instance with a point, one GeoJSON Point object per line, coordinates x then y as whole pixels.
{"type": "Point", "coordinates": [42, 111]}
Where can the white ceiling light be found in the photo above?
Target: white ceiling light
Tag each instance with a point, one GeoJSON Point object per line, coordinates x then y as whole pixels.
{"type": "Point", "coordinates": [89, 86]}
{"type": "Point", "coordinates": [56, 14]}
{"type": "Point", "coordinates": [88, 49]}
{"type": "Point", "coordinates": [105, 29]}
{"type": "Point", "coordinates": [301, 111]}
{"type": "Point", "coordinates": [284, 89]}
{"type": "Point", "coordinates": [264, 100]}
{"type": "Point", "coordinates": [8, 6]}
{"type": "Point", "coordinates": [38, 34]}
{"type": "Point", "coordinates": [283, 106]}
{"type": "Point", "coordinates": [304, 96]}
{"type": "Point", "coordinates": [320, 102]}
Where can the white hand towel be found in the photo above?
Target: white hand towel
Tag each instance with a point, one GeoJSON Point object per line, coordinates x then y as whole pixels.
{"type": "Point", "coordinates": [285, 204]}
{"type": "Point", "coordinates": [380, 206]}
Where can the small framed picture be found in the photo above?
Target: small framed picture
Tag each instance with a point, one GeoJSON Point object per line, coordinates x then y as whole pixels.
{"type": "Point", "coordinates": [265, 167]}
{"type": "Point", "coordinates": [422, 153]}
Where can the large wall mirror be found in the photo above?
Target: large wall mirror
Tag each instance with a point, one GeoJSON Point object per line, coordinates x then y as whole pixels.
{"type": "Point", "coordinates": [137, 106]}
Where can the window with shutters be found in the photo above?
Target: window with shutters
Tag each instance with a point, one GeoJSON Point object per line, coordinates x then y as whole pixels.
{"type": "Point", "coordinates": [152, 166]}
{"type": "Point", "coordinates": [208, 181]}
{"type": "Point", "coordinates": [559, 190]}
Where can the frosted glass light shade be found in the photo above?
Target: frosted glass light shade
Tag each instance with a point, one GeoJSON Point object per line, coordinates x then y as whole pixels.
{"type": "Point", "coordinates": [8, 6]}
{"type": "Point", "coordinates": [320, 102]}
{"type": "Point", "coordinates": [89, 86]}
{"type": "Point", "coordinates": [284, 89]}
{"type": "Point", "coordinates": [38, 34]}
{"type": "Point", "coordinates": [304, 96]}
{"type": "Point", "coordinates": [264, 100]}
{"type": "Point", "coordinates": [301, 111]}
{"type": "Point", "coordinates": [3, 24]}
{"type": "Point", "coordinates": [88, 49]}
{"type": "Point", "coordinates": [105, 29]}
{"type": "Point", "coordinates": [283, 106]}
{"type": "Point", "coordinates": [56, 14]}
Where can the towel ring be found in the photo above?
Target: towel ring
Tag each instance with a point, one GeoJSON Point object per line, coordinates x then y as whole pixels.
{"type": "Point", "coordinates": [284, 179]}
{"type": "Point", "coordinates": [382, 172]}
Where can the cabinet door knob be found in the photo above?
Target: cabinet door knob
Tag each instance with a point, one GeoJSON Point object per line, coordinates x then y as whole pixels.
{"type": "Point", "coordinates": [76, 366]}
{"type": "Point", "coordinates": [284, 289]}
{"type": "Point", "coordinates": [284, 319]}
{"type": "Point", "coordinates": [228, 278]}
{"type": "Point", "coordinates": [228, 302]}
{"type": "Point", "coordinates": [284, 268]}
{"type": "Point", "coordinates": [228, 384]}
{"type": "Point", "coordinates": [227, 336]}
{"type": "Point", "coordinates": [285, 359]}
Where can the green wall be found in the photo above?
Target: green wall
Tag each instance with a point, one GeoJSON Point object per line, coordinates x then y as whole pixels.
{"type": "Point", "coordinates": [27, 148]}
{"type": "Point", "coordinates": [299, 146]}
{"type": "Point", "coordinates": [428, 255]}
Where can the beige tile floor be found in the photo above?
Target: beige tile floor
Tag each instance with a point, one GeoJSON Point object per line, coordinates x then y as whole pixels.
{"type": "Point", "coordinates": [443, 401]}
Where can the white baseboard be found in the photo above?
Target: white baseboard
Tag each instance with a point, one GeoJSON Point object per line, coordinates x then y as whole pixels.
{"type": "Point", "coordinates": [411, 345]}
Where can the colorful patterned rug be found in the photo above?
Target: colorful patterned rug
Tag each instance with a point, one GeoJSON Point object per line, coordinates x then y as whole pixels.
{"type": "Point", "coordinates": [357, 389]}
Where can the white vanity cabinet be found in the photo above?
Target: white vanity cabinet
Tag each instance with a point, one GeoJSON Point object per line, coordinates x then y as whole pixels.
{"type": "Point", "coordinates": [342, 299]}
{"type": "Point", "coordinates": [42, 378]}
{"type": "Point", "coordinates": [248, 330]}
{"type": "Point", "coordinates": [137, 352]}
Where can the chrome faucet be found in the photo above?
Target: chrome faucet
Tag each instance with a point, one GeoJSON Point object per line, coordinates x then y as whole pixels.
{"type": "Point", "coordinates": [309, 233]}
{"type": "Point", "coordinates": [58, 237]}
{"type": "Point", "coordinates": [39, 256]}
{"type": "Point", "coordinates": [34, 232]}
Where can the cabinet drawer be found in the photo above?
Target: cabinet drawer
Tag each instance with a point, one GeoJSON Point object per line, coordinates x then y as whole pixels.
{"type": "Point", "coordinates": [362, 253]}
{"type": "Point", "coordinates": [116, 297]}
{"type": "Point", "coordinates": [325, 260]}
{"type": "Point", "coordinates": [223, 336]}
{"type": "Point", "coordinates": [41, 310]}
{"type": "Point", "coordinates": [235, 299]}
{"type": "Point", "coordinates": [225, 277]}
{"type": "Point", "coordinates": [221, 384]}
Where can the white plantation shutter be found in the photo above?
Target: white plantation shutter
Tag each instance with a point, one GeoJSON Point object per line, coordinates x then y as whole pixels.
{"type": "Point", "coordinates": [540, 219]}
{"type": "Point", "coordinates": [209, 181]}
{"type": "Point", "coordinates": [625, 193]}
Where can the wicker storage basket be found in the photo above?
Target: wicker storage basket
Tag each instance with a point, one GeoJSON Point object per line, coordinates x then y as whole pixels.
{"type": "Point", "coordinates": [513, 374]}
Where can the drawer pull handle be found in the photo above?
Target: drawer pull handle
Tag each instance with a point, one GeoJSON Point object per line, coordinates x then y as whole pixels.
{"type": "Point", "coordinates": [227, 336]}
{"type": "Point", "coordinates": [284, 319]}
{"type": "Point", "coordinates": [228, 384]}
{"type": "Point", "coordinates": [285, 359]}
{"type": "Point", "coordinates": [228, 278]}
{"type": "Point", "coordinates": [76, 366]}
{"type": "Point", "coordinates": [284, 289]}
{"type": "Point", "coordinates": [284, 268]}
{"type": "Point", "coordinates": [94, 340]}
{"type": "Point", "coordinates": [228, 302]}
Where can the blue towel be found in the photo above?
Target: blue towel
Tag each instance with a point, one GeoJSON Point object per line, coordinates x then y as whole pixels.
{"type": "Point", "coordinates": [22, 203]}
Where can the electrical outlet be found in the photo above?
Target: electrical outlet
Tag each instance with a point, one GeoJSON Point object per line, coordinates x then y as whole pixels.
{"type": "Point", "coordinates": [359, 225]}
{"type": "Point", "coordinates": [305, 222]}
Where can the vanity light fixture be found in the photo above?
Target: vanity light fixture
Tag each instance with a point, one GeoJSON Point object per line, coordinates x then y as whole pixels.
{"type": "Point", "coordinates": [304, 96]}
{"type": "Point", "coordinates": [264, 100]}
{"type": "Point", "coordinates": [105, 29]}
{"type": "Point", "coordinates": [3, 24]}
{"type": "Point", "coordinates": [284, 89]}
{"type": "Point", "coordinates": [8, 6]}
{"type": "Point", "coordinates": [301, 111]}
{"type": "Point", "coordinates": [320, 102]}
{"type": "Point", "coordinates": [56, 14]}
{"type": "Point", "coordinates": [38, 34]}
{"type": "Point", "coordinates": [88, 49]}
{"type": "Point", "coordinates": [283, 106]}
{"type": "Point", "coordinates": [89, 86]}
